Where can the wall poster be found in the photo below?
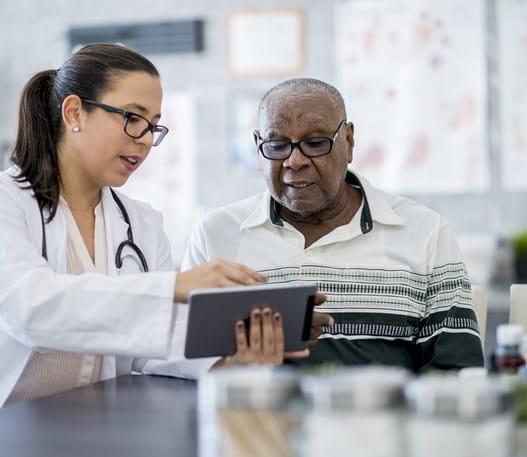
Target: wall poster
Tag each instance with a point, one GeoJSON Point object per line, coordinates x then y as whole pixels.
{"type": "Point", "coordinates": [413, 75]}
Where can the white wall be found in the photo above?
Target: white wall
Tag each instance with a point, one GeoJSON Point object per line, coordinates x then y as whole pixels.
{"type": "Point", "coordinates": [35, 37]}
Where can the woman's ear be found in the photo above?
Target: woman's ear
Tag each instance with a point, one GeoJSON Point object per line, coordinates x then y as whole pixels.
{"type": "Point", "coordinates": [72, 113]}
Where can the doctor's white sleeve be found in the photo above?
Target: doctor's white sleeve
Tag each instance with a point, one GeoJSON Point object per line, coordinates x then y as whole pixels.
{"type": "Point", "coordinates": [131, 315]}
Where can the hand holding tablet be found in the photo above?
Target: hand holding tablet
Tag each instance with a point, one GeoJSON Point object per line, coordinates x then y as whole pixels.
{"type": "Point", "coordinates": [213, 313]}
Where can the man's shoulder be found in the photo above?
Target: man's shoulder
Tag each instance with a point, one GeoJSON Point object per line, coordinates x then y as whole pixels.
{"type": "Point", "coordinates": [234, 213]}
{"type": "Point", "coordinates": [390, 207]}
{"type": "Point", "coordinates": [402, 204]}
{"type": "Point", "coordinates": [411, 211]}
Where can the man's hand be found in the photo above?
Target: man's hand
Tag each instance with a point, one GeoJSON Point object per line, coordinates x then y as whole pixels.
{"type": "Point", "coordinates": [218, 273]}
{"type": "Point", "coordinates": [319, 320]}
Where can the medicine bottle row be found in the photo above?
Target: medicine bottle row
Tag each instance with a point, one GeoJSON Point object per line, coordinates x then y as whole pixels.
{"type": "Point", "coordinates": [373, 411]}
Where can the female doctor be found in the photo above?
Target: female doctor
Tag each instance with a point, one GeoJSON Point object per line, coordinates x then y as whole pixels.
{"type": "Point", "coordinates": [87, 285]}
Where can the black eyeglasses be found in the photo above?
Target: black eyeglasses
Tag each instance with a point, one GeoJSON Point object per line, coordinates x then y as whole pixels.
{"type": "Point", "coordinates": [311, 147]}
{"type": "Point", "coordinates": [135, 125]}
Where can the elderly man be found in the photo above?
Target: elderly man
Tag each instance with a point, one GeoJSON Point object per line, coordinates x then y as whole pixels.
{"type": "Point", "coordinates": [391, 269]}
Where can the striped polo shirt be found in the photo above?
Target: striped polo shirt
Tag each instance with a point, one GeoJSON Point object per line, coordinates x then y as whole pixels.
{"type": "Point", "coordinates": [394, 277]}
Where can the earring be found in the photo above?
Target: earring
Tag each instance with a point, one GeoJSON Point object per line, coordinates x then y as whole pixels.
{"type": "Point", "coordinates": [75, 129]}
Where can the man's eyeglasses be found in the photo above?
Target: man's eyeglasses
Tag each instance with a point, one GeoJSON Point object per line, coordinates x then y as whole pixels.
{"type": "Point", "coordinates": [135, 125]}
{"type": "Point", "coordinates": [311, 147]}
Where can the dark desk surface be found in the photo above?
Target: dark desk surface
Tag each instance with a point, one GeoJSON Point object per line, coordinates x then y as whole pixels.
{"type": "Point", "coordinates": [130, 416]}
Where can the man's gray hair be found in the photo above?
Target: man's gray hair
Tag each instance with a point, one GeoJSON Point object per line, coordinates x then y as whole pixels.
{"type": "Point", "coordinates": [306, 85]}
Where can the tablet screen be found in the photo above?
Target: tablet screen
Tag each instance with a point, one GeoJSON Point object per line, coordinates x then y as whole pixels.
{"type": "Point", "coordinates": [213, 312]}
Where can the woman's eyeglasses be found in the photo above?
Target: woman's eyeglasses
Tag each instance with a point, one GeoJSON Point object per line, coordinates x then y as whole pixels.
{"type": "Point", "coordinates": [135, 125]}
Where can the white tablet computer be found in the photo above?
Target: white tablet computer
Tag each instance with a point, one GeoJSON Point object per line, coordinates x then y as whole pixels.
{"type": "Point", "coordinates": [213, 312]}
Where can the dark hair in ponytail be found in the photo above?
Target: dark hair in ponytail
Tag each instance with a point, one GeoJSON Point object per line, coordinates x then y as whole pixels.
{"type": "Point", "coordinates": [88, 73]}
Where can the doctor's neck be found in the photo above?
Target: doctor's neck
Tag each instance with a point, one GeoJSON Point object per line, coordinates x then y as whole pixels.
{"type": "Point", "coordinates": [77, 189]}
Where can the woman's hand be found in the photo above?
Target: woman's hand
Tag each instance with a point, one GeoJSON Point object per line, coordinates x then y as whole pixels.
{"type": "Point", "coordinates": [264, 345]}
{"type": "Point", "coordinates": [218, 273]}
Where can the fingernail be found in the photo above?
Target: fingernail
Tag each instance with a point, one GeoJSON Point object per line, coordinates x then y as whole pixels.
{"type": "Point", "coordinates": [239, 324]}
{"type": "Point", "coordinates": [267, 313]}
{"type": "Point", "coordinates": [277, 317]}
{"type": "Point", "coordinates": [256, 314]}
{"type": "Point", "coordinates": [331, 321]}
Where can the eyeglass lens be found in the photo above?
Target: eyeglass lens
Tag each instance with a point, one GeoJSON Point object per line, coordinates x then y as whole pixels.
{"type": "Point", "coordinates": [312, 147]}
{"type": "Point", "coordinates": [137, 126]}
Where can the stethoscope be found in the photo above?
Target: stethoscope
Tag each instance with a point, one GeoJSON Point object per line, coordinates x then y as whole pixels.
{"type": "Point", "coordinates": [118, 254]}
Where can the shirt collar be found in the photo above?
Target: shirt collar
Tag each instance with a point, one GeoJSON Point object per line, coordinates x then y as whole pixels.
{"type": "Point", "coordinates": [377, 203]}
{"type": "Point", "coordinates": [376, 207]}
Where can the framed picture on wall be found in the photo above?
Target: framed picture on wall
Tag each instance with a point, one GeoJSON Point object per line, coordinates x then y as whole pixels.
{"type": "Point", "coordinates": [265, 42]}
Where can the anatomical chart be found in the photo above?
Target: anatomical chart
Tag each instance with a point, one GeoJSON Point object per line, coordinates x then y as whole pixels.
{"type": "Point", "coordinates": [413, 75]}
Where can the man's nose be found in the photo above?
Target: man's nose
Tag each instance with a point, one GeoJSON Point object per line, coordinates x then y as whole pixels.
{"type": "Point", "coordinates": [297, 159]}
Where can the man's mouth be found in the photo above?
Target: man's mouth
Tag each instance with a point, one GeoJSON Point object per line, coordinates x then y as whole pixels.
{"type": "Point", "coordinates": [299, 185]}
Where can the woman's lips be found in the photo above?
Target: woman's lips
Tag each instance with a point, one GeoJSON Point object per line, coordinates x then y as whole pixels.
{"type": "Point", "coordinates": [131, 162]}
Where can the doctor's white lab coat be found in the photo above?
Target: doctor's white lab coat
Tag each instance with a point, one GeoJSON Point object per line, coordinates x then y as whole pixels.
{"type": "Point", "coordinates": [44, 309]}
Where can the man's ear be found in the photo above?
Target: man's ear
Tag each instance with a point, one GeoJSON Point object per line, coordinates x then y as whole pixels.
{"type": "Point", "coordinates": [350, 139]}
{"type": "Point", "coordinates": [72, 113]}
{"type": "Point", "coordinates": [256, 136]}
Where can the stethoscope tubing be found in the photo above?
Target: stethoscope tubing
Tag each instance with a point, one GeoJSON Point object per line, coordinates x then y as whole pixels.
{"type": "Point", "coordinates": [129, 242]}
